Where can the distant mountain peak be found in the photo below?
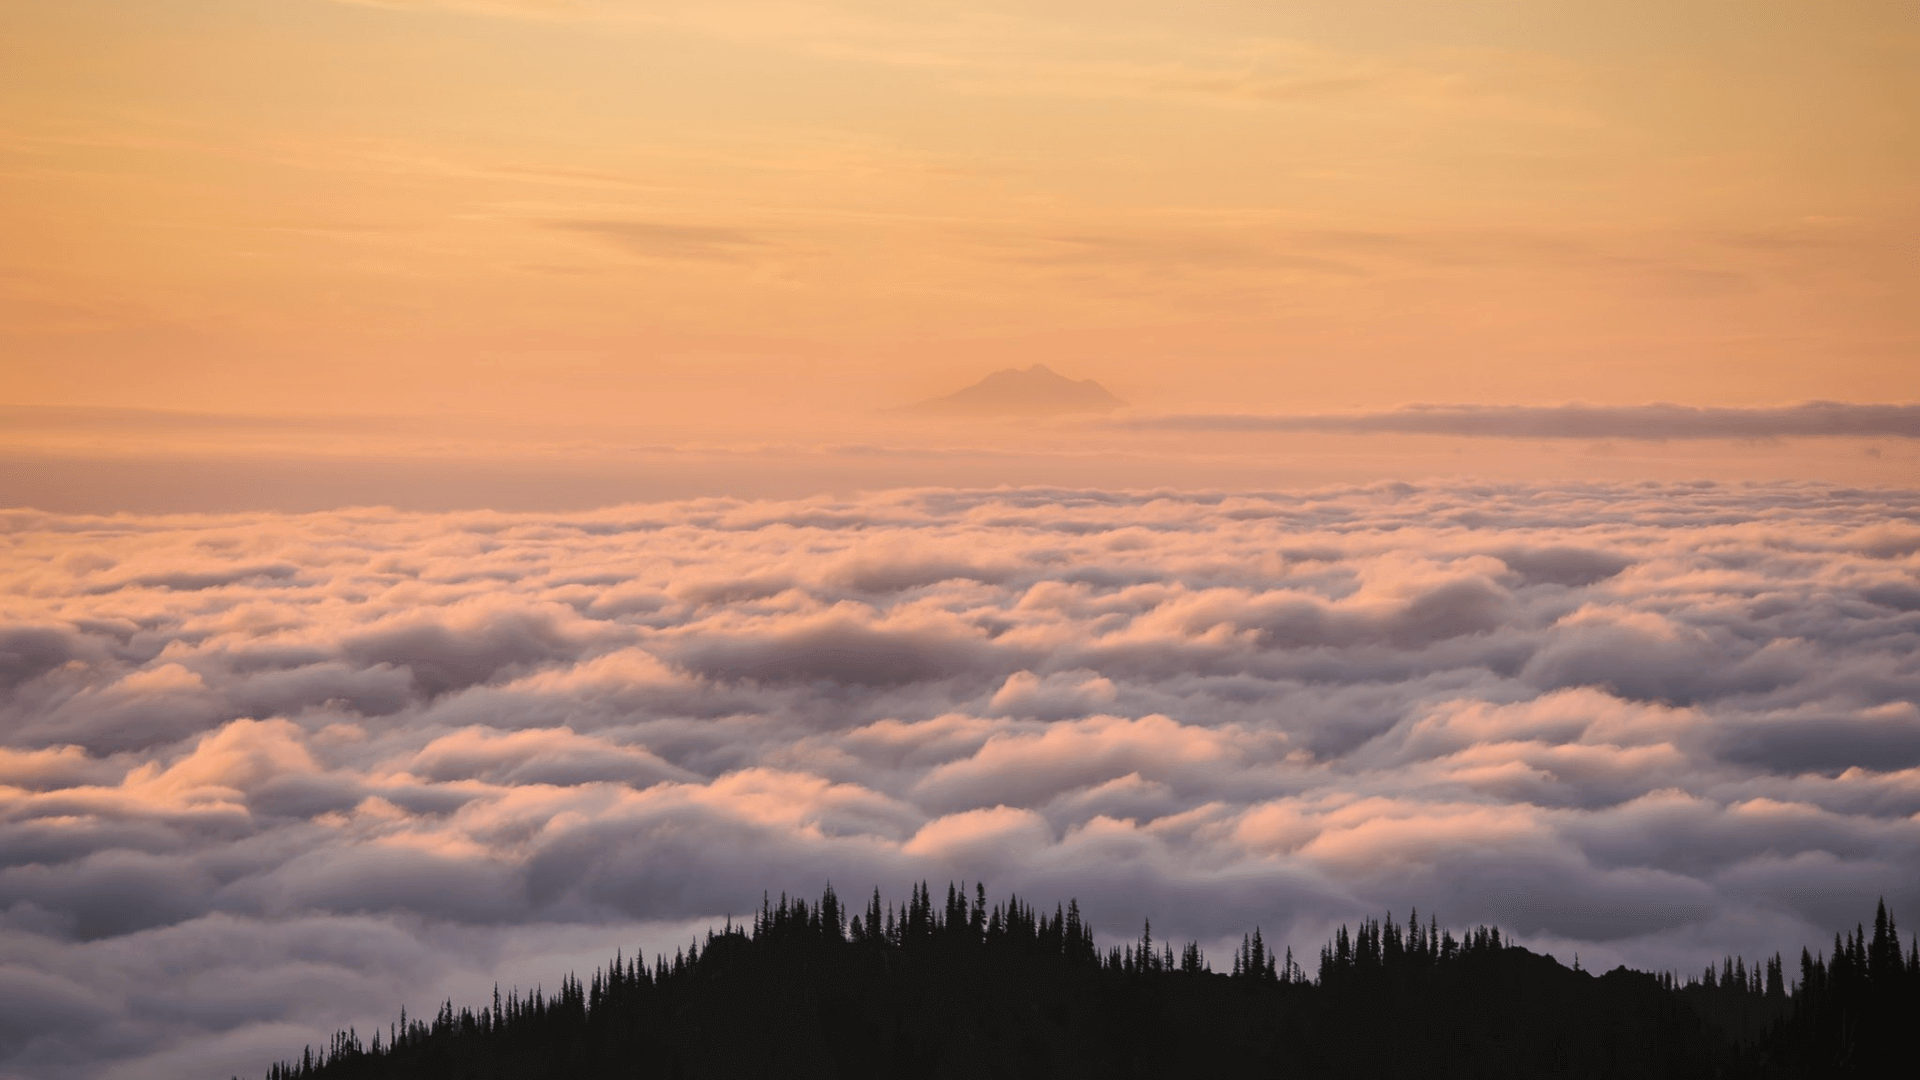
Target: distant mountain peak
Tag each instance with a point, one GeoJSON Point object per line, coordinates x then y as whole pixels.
{"type": "Point", "coordinates": [1033, 391]}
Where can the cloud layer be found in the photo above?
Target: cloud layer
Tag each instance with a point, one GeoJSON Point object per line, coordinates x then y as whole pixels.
{"type": "Point", "coordinates": [265, 775]}
{"type": "Point", "coordinates": [1660, 421]}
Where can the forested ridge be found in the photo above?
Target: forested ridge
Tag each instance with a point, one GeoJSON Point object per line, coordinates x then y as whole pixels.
{"type": "Point", "coordinates": [1007, 989]}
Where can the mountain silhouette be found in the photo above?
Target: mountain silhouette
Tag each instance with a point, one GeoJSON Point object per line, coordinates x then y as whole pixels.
{"type": "Point", "coordinates": [1035, 391]}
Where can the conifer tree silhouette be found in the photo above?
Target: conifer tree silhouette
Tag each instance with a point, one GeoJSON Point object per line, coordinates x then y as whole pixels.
{"type": "Point", "coordinates": [973, 988]}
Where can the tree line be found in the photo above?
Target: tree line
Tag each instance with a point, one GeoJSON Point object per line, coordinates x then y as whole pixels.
{"type": "Point", "coordinates": [964, 987]}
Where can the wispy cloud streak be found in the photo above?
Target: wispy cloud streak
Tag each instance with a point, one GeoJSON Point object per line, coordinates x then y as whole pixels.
{"type": "Point", "coordinates": [1660, 421]}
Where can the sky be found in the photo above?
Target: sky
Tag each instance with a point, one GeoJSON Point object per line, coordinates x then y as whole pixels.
{"type": "Point", "coordinates": [659, 222]}
{"type": "Point", "coordinates": [457, 516]}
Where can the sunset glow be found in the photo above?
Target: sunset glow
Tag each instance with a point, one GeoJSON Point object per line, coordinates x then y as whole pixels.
{"type": "Point", "coordinates": [471, 500]}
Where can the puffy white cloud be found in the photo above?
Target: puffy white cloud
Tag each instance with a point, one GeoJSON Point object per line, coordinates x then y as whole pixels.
{"type": "Point", "coordinates": [264, 775]}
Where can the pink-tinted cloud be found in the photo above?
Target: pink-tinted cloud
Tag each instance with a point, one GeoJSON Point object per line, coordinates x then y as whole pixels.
{"type": "Point", "coordinates": [288, 753]}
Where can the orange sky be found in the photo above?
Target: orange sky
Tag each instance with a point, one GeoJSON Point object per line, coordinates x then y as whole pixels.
{"type": "Point", "coordinates": [718, 211]}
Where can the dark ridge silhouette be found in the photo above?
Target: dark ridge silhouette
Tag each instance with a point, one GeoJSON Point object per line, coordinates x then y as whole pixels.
{"type": "Point", "coordinates": [968, 989]}
{"type": "Point", "coordinates": [1036, 391]}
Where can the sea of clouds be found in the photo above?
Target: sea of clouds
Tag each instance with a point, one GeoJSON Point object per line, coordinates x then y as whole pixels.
{"type": "Point", "coordinates": [265, 775]}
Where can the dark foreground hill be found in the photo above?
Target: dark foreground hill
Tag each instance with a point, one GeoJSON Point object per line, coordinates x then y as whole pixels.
{"type": "Point", "coordinates": [966, 989]}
